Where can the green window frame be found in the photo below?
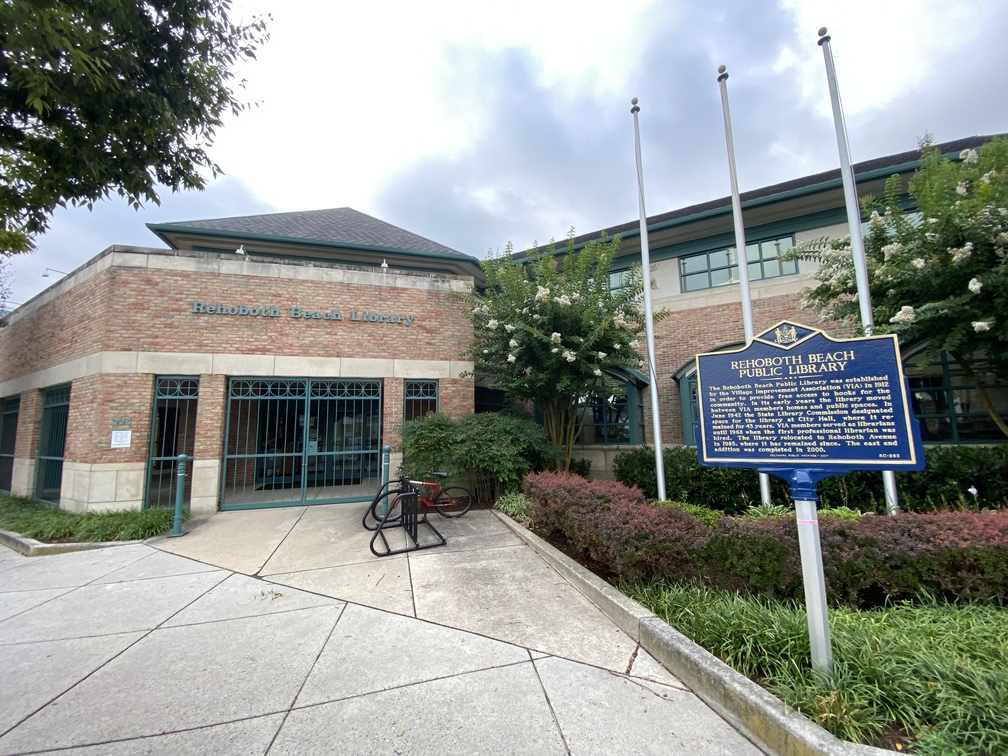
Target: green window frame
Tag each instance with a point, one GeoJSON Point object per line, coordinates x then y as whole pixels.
{"type": "Point", "coordinates": [946, 404]}
{"type": "Point", "coordinates": [715, 268]}
{"type": "Point", "coordinates": [420, 398]}
{"type": "Point", "coordinates": [617, 418]}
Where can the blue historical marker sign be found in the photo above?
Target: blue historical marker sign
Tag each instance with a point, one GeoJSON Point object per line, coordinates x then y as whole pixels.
{"type": "Point", "coordinates": [797, 398]}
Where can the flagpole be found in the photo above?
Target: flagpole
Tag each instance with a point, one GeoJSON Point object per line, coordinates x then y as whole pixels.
{"type": "Point", "coordinates": [740, 244]}
{"type": "Point", "coordinates": [854, 222]}
{"type": "Point", "coordinates": [648, 310]}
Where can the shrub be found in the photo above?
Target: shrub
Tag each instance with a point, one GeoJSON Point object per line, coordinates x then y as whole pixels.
{"type": "Point", "coordinates": [491, 450]}
{"type": "Point", "coordinates": [613, 526]}
{"type": "Point", "coordinates": [867, 561]}
{"type": "Point", "coordinates": [943, 484]}
{"type": "Point", "coordinates": [581, 466]}
{"type": "Point", "coordinates": [706, 516]}
{"type": "Point", "coordinates": [428, 444]}
{"type": "Point", "coordinates": [948, 474]}
{"type": "Point", "coordinates": [729, 490]}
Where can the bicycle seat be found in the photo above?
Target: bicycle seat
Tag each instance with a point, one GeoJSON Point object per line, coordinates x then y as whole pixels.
{"type": "Point", "coordinates": [440, 474]}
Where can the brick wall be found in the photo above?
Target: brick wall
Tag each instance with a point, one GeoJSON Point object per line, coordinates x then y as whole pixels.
{"type": "Point", "coordinates": [94, 402]}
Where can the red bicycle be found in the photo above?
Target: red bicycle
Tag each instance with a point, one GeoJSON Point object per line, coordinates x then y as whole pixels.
{"type": "Point", "coordinates": [447, 501]}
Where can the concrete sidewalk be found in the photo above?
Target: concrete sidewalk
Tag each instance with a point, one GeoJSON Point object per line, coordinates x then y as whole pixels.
{"type": "Point", "coordinates": [277, 631]}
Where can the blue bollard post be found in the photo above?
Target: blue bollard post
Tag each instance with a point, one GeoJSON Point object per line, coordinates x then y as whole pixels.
{"type": "Point", "coordinates": [179, 492]}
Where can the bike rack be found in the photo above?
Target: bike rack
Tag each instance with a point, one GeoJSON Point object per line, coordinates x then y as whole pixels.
{"type": "Point", "coordinates": [409, 519]}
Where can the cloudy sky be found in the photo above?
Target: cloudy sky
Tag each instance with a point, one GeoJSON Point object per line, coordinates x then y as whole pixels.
{"type": "Point", "coordinates": [475, 126]}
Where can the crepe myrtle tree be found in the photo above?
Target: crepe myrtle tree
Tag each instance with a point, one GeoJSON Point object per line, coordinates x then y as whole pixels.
{"type": "Point", "coordinates": [547, 330]}
{"type": "Point", "coordinates": [938, 276]}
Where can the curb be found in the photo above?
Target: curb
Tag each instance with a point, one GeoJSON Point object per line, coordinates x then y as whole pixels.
{"type": "Point", "coordinates": [748, 707]}
{"type": "Point", "coordinates": [30, 547]}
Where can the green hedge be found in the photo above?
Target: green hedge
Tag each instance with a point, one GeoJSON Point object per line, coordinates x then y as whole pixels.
{"type": "Point", "coordinates": [870, 561]}
{"type": "Point", "coordinates": [943, 484]}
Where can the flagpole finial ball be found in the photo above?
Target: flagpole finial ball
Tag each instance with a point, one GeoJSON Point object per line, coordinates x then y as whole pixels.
{"type": "Point", "coordinates": [633, 101]}
{"type": "Point", "coordinates": [721, 69]}
{"type": "Point", "coordinates": [822, 31]}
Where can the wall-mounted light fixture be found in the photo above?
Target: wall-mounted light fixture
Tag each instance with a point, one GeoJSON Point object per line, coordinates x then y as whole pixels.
{"type": "Point", "coordinates": [53, 270]}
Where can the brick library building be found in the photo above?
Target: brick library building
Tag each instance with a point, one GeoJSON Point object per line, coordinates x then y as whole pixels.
{"type": "Point", "coordinates": [282, 352]}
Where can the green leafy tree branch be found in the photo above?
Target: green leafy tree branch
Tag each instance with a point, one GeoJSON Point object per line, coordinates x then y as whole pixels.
{"type": "Point", "coordinates": [938, 276]}
{"type": "Point", "coordinates": [549, 330]}
{"type": "Point", "coordinates": [109, 96]}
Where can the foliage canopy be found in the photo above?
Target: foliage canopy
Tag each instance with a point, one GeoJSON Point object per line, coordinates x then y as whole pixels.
{"type": "Point", "coordinates": [112, 95]}
{"type": "Point", "coordinates": [551, 331]}
{"type": "Point", "coordinates": [938, 276]}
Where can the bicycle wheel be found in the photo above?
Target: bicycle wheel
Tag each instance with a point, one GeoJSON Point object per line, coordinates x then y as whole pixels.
{"type": "Point", "coordinates": [453, 501]}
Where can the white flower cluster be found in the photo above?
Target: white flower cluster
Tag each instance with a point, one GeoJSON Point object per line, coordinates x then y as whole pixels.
{"type": "Point", "coordinates": [511, 358]}
{"type": "Point", "coordinates": [555, 337]}
{"type": "Point", "coordinates": [961, 253]}
{"type": "Point", "coordinates": [918, 263]}
{"type": "Point", "coordinates": [875, 222]}
{"type": "Point", "coordinates": [619, 321]}
{"type": "Point", "coordinates": [598, 373]}
{"type": "Point", "coordinates": [512, 343]}
{"type": "Point", "coordinates": [975, 285]}
{"type": "Point", "coordinates": [961, 190]}
{"type": "Point", "coordinates": [968, 156]}
{"type": "Point", "coordinates": [986, 178]}
{"type": "Point", "coordinates": [563, 299]}
{"type": "Point", "coordinates": [905, 316]}
{"type": "Point", "coordinates": [982, 325]}
{"type": "Point", "coordinates": [509, 328]}
{"type": "Point", "coordinates": [541, 293]}
{"type": "Point", "coordinates": [492, 324]}
{"type": "Point", "coordinates": [569, 355]}
{"type": "Point", "coordinates": [891, 249]}
{"type": "Point", "coordinates": [601, 355]}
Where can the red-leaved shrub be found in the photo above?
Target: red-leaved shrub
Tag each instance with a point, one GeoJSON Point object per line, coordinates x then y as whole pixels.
{"type": "Point", "coordinates": [867, 562]}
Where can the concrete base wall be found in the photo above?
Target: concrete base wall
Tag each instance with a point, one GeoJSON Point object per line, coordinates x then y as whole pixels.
{"type": "Point", "coordinates": [23, 477]}
{"type": "Point", "coordinates": [102, 487]}
{"type": "Point", "coordinates": [205, 486]}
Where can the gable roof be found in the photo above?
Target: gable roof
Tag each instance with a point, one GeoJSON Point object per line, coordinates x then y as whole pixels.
{"type": "Point", "coordinates": [342, 226]}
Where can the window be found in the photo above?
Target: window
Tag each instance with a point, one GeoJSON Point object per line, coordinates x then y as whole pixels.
{"type": "Point", "coordinates": [617, 418]}
{"type": "Point", "coordinates": [708, 270]}
{"type": "Point", "coordinates": [618, 279]}
{"type": "Point", "coordinates": [419, 399]}
{"type": "Point", "coordinates": [946, 404]}
{"type": "Point", "coordinates": [8, 440]}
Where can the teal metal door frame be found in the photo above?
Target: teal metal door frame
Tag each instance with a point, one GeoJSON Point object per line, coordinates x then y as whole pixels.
{"type": "Point", "coordinates": [8, 440]}
{"type": "Point", "coordinates": [299, 441]}
{"type": "Point", "coordinates": [52, 444]}
{"type": "Point", "coordinates": [173, 432]}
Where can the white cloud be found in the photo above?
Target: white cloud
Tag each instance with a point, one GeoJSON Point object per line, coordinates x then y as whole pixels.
{"type": "Point", "coordinates": [473, 123]}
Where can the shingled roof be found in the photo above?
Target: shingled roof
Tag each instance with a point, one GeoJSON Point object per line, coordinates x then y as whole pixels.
{"type": "Point", "coordinates": [901, 162]}
{"type": "Point", "coordinates": [341, 225]}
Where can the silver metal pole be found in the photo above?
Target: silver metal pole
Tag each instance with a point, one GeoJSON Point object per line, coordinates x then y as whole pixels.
{"type": "Point", "coordinates": [854, 222]}
{"type": "Point", "coordinates": [648, 310]}
{"type": "Point", "coordinates": [740, 244]}
{"type": "Point", "coordinates": [815, 588]}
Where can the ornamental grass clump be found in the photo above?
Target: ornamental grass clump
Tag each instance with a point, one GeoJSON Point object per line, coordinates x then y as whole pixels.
{"type": "Point", "coordinates": [932, 676]}
{"type": "Point", "coordinates": [49, 524]}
